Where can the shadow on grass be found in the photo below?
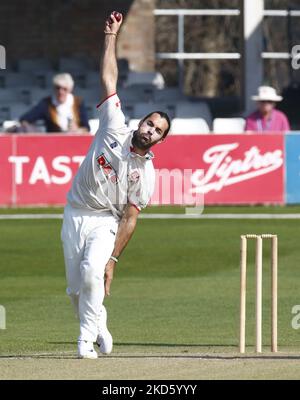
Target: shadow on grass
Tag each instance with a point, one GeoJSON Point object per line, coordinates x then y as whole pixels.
{"type": "Point", "coordinates": [233, 356]}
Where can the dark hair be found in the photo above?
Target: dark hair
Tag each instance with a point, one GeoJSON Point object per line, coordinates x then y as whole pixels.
{"type": "Point", "coordinates": [163, 115]}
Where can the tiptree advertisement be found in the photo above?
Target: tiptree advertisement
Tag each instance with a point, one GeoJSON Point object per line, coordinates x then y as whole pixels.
{"type": "Point", "coordinates": [221, 169]}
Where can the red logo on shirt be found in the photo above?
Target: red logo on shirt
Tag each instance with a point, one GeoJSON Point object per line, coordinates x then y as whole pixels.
{"type": "Point", "coordinates": [114, 179]}
{"type": "Point", "coordinates": [102, 160]}
{"type": "Point", "coordinates": [118, 104]}
{"type": "Point", "coordinates": [107, 169]}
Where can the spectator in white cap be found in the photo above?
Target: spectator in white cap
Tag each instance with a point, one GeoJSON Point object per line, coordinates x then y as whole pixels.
{"type": "Point", "coordinates": [266, 118]}
{"type": "Point", "coordinates": [61, 112]}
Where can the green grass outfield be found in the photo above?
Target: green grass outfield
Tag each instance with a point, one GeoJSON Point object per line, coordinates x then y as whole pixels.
{"type": "Point", "coordinates": [174, 304]}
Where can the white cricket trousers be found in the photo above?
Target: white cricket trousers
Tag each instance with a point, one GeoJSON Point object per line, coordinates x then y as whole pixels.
{"type": "Point", "coordinates": [88, 240]}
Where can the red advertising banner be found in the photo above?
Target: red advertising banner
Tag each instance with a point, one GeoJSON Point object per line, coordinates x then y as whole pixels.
{"type": "Point", "coordinates": [224, 169]}
{"type": "Point", "coordinates": [6, 172]}
{"type": "Point", "coordinates": [40, 169]}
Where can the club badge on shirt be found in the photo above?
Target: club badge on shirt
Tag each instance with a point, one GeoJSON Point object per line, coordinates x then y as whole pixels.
{"type": "Point", "coordinates": [134, 176]}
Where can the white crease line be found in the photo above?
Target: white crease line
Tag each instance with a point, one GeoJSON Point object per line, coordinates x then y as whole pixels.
{"type": "Point", "coordinates": [36, 355]}
{"type": "Point", "coordinates": [163, 216]}
{"type": "Point", "coordinates": [30, 216]}
{"type": "Point", "coordinates": [220, 216]}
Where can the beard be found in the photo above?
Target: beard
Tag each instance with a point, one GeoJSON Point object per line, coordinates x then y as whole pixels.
{"type": "Point", "coordinates": [140, 142]}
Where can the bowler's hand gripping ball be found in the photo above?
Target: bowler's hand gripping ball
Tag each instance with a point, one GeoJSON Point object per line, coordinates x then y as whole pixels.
{"type": "Point", "coordinates": [117, 16]}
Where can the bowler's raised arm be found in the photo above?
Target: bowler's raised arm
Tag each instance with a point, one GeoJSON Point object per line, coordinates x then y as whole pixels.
{"type": "Point", "coordinates": [109, 67]}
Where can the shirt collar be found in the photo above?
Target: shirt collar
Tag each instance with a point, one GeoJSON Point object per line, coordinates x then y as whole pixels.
{"type": "Point", "coordinates": [147, 156]}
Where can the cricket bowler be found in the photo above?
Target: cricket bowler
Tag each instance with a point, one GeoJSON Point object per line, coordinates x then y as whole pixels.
{"type": "Point", "coordinates": [113, 184]}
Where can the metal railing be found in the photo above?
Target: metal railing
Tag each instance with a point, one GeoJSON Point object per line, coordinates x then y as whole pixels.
{"type": "Point", "coordinates": [181, 55]}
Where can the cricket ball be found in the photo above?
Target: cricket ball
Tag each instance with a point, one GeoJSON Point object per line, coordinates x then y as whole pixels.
{"type": "Point", "coordinates": [117, 15]}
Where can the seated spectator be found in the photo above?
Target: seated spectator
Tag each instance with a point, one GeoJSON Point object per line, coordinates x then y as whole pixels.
{"type": "Point", "coordinates": [266, 118]}
{"type": "Point", "coordinates": [62, 112]}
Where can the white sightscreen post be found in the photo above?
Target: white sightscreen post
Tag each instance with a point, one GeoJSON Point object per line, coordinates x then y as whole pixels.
{"type": "Point", "coordinates": [252, 62]}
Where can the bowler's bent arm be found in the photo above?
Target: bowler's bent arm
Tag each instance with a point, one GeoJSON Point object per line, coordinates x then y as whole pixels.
{"type": "Point", "coordinates": [125, 231]}
{"type": "Point", "coordinates": [126, 228]}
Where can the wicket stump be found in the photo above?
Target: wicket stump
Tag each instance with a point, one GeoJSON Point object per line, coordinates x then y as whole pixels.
{"type": "Point", "coordinates": [258, 303]}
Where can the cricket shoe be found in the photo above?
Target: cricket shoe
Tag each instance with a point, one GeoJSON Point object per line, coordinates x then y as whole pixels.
{"type": "Point", "coordinates": [86, 350]}
{"type": "Point", "coordinates": [104, 339]}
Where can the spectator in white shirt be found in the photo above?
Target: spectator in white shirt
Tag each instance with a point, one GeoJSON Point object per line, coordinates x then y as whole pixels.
{"type": "Point", "coordinates": [61, 112]}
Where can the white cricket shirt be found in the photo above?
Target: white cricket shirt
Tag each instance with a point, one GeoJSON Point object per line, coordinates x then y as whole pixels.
{"type": "Point", "coordinates": [112, 175]}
